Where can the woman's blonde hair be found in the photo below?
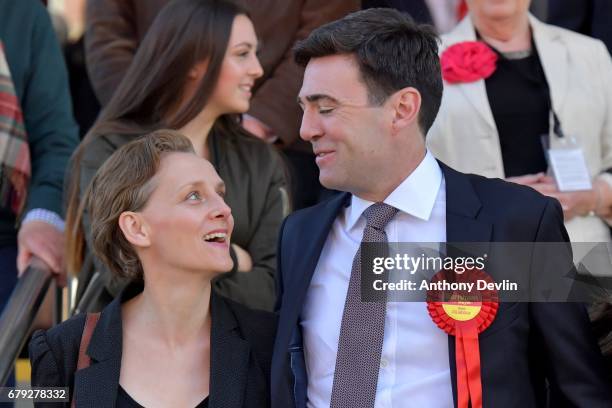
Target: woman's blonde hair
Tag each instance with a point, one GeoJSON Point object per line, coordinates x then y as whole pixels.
{"type": "Point", "coordinates": [124, 183]}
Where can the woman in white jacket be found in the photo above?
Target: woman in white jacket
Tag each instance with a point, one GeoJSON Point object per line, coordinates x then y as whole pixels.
{"type": "Point", "coordinates": [497, 105]}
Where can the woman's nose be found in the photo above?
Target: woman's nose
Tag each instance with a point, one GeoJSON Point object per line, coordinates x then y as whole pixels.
{"type": "Point", "coordinates": [256, 70]}
{"type": "Point", "coordinates": [221, 209]}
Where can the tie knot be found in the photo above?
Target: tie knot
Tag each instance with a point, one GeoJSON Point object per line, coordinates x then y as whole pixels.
{"type": "Point", "coordinates": [378, 215]}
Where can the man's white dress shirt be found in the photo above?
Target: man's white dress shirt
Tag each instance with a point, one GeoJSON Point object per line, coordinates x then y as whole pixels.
{"type": "Point", "coordinates": [414, 366]}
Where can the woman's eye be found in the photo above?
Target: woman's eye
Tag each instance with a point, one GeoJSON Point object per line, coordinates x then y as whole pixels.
{"type": "Point", "coordinates": [194, 195]}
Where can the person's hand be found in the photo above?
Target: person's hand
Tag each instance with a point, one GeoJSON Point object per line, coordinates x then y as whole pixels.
{"type": "Point", "coordinates": [43, 240]}
{"type": "Point", "coordinates": [258, 128]}
{"type": "Point", "coordinates": [574, 203]}
{"type": "Point", "coordinates": [245, 263]}
{"type": "Point", "coordinates": [528, 179]}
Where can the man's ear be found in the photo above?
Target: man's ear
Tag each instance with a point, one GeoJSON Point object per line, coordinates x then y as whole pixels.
{"type": "Point", "coordinates": [406, 105]}
{"type": "Point", "coordinates": [135, 229]}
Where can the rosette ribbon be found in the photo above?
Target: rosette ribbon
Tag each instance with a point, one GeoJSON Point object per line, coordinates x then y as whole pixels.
{"type": "Point", "coordinates": [464, 315]}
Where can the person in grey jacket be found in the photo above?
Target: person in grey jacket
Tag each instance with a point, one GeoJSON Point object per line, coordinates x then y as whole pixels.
{"type": "Point", "coordinates": [193, 72]}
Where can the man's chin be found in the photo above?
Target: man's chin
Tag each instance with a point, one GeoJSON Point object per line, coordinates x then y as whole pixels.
{"type": "Point", "coordinates": [331, 183]}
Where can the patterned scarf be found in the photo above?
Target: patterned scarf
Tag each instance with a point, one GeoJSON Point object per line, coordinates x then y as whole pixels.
{"type": "Point", "coordinates": [15, 167]}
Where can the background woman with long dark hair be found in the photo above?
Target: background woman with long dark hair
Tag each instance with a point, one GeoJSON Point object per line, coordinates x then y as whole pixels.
{"type": "Point", "coordinates": [194, 72]}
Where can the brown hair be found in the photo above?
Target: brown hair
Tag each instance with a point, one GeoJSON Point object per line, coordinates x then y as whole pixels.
{"type": "Point", "coordinates": [124, 183]}
{"type": "Point", "coordinates": [391, 50]}
{"type": "Point", "coordinates": [184, 33]}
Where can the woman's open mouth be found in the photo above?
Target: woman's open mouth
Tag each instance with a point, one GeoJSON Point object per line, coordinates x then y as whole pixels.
{"type": "Point", "coordinates": [219, 238]}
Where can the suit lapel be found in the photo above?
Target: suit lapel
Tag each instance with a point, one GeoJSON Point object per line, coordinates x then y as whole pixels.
{"type": "Point", "coordinates": [474, 92]}
{"type": "Point", "coordinates": [97, 384]}
{"type": "Point", "coordinates": [303, 237]}
{"type": "Point", "coordinates": [462, 225]}
{"type": "Point", "coordinates": [554, 59]}
{"type": "Point", "coordinates": [229, 362]}
{"type": "Point", "coordinates": [309, 253]}
{"type": "Point", "coordinates": [462, 209]}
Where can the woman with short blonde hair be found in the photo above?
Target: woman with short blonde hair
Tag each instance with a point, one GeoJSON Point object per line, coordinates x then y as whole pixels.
{"type": "Point", "coordinates": [158, 216]}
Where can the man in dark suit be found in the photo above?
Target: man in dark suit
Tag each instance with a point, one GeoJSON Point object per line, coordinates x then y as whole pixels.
{"type": "Point", "coordinates": [366, 116]}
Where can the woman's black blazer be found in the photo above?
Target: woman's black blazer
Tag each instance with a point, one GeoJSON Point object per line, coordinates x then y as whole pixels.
{"type": "Point", "coordinates": [241, 351]}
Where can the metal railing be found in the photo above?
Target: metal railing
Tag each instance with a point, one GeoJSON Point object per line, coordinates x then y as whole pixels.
{"type": "Point", "coordinates": [19, 313]}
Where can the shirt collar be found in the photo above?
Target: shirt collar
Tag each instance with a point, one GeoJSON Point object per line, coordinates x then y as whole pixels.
{"type": "Point", "coordinates": [416, 195]}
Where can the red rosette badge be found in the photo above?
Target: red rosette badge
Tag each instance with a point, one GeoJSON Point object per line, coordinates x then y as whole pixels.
{"type": "Point", "coordinates": [464, 305]}
{"type": "Point", "coordinates": [468, 61]}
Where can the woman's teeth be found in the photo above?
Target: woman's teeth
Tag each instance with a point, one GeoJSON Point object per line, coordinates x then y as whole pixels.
{"type": "Point", "coordinates": [215, 237]}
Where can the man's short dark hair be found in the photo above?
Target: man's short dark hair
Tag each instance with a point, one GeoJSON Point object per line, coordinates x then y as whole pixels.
{"type": "Point", "coordinates": [392, 51]}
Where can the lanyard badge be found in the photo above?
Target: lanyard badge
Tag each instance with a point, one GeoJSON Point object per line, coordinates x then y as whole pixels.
{"type": "Point", "coordinates": [565, 158]}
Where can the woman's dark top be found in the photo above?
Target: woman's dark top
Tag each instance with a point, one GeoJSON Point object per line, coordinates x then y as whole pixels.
{"type": "Point", "coordinates": [255, 183]}
{"type": "Point", "coordinates": [125, 401]}
{"type": "Point", "coordinates": [519, 100]}
{"type": "Point", "coordinates": [241, 342]}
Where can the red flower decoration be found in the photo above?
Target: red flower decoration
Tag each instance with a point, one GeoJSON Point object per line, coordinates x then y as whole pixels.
{"type": "Point", "coordinates": [468, 61]}
{"type": "Point", "coordinates": [488, 300]}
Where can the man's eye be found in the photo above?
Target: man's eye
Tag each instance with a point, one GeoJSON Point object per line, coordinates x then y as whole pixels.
{"type": "Point", "coordinates": [325, 111]}
{"type": "Point", "coordinates": [194, 195]}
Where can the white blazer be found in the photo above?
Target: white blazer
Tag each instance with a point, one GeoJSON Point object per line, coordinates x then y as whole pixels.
{"type": "Point", "coordinates": [579, 73]}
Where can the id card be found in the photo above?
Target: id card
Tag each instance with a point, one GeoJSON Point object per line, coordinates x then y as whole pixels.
{"type": "Point", "coordinates": [565, 158]}
{"type": "Point", "coordinates": [569, 169]}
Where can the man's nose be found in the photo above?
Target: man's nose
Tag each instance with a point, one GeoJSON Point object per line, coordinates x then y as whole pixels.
{"type": "Point", "coordinates": [310, 128]}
